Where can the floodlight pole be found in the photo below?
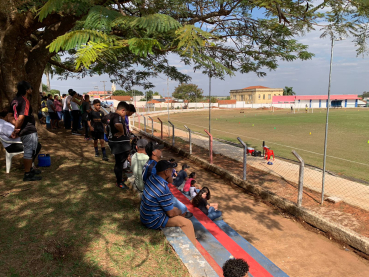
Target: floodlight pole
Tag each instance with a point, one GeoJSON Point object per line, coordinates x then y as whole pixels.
{"type": "Point", "coordinates": [326, 121]}
{"type": "Point", "coordinates": [168, 96]}
{"type": "Point", "coordinates": [209, 103]}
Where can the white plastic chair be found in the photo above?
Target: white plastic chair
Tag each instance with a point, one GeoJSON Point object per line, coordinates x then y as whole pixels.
{"type": "Point", "coordinates": [9, 156]}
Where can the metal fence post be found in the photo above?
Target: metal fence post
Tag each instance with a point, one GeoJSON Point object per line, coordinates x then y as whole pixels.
{"type": "Point", "coordinates": [144, 123]}
{"type": "Point", "coordinates": [210, 146]}
{"type": "Point", "coordinates": [139, 121]}
{"type": "Point", "coordinates": [152, 125]}
{"type": "Point", "coordinates": [161, 128]}
{"type": "Point", "coordinates": [244, 157]}
{"type": "Point", "coordinates": [189, 138]}
{"type": "Point", "coordinates": [173, 132]}
{"type": "Point", "coordinates": [301, 178]}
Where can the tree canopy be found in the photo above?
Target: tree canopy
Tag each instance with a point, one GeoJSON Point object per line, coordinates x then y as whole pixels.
{"type": "Point", "coordinates": [131, 40]}
{"type": "Point", "coordinates": [288, 91]}
{"type": "Point", "coordinates": [189, 92]}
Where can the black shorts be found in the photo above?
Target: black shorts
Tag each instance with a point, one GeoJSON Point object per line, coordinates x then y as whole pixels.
{"type": "Point", "coordinates": [53, 115]}
{"type": "Point", "coordinates": [97, 135]}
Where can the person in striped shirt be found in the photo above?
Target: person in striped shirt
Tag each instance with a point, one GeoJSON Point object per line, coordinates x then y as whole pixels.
{"type": "Point", "coordinates": [157, 210]}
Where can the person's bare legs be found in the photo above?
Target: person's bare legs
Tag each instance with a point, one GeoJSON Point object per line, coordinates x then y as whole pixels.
{"type": "Point", "coordinates": [215, 205]}
{"type": "Point", "coordinates": [186, 226]}
{"type": "Point", "coordinates": [27, 165]}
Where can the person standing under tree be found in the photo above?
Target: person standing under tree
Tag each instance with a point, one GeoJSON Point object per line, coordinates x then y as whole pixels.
{"type": "Point", "coordinates": [25, 128]}
{"type": "Point", "coordinates": [86, 109]}
{"type": "Point", "coordinates": [119, 141]}
{"type": "Point", "coordinates": [97, 128]}
{"type": "Point", "coordinates": [52, 111]}
{"type": "Point", "coordinates": [66, 109]}
{"type": "Point", "coordinates": [75, 102]}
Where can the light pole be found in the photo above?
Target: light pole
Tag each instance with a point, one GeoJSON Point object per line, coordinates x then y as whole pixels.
{"type": "Point", "coordinates": [209, 103]}
{"type": "Point", "coordinates": [168, 96]}
{"type": "Point", "coordinates": [327, 116]}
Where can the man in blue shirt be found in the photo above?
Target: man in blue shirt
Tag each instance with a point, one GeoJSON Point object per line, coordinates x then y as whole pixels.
{"type": "Point", "coordinates": [153, 150]}
{"type": "Point", "coordinates": [157, 210]}
{"type": "Point", "coordinates": [181, 177]}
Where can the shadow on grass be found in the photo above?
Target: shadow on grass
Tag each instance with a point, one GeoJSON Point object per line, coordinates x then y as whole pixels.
{"type": "Point", "coordinates": [76, 222]}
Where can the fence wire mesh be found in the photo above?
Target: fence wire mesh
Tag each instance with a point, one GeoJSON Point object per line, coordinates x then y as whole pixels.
{"type": "Point", "coordinates": [282, 176]}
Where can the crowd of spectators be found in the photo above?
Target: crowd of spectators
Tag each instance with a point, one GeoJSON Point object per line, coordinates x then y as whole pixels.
{"type": "Point", "coordinates": [151, 174]}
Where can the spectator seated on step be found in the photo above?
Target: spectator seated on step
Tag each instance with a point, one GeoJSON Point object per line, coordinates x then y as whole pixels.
{"type": "Point", "coordinates": [187, 185]}
{"type": "Point", "coordinates": [153, 150]}
{"type": "Point", "coordinates": [138, 161]}
{"type": "Point", "coordinates": [236, 268]}
{"type": "Point", "coordinates": [181, 177]}
{"type": "Point", "coordinates": [157, 209]}
{"type": "Point", "coordinates": [174, 173]}
{"type": "Point", "coordinates": [193, 189]}
{"type": "Point", "coordinates": [201, 201]}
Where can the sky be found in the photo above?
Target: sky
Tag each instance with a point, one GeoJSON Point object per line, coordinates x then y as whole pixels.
{"type": "Point", "coordinates": [349, 73]}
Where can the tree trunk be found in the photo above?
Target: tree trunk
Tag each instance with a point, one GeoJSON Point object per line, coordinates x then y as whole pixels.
{"type": "Point", "coordinates": [23, 52]}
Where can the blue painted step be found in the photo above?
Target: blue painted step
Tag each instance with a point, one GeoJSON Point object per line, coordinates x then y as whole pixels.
{"type": "Point", "coordinates": [251, 250]}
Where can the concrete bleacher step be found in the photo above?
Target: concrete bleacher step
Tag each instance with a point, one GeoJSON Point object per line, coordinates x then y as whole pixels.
{"type": "Point", "coordinates": [221, 242]}
{"type": "Point", "coordinates": [196, 264]}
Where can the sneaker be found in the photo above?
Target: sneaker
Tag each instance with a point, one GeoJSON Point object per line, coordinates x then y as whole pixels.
{"type": "Point", "coordinates": [122, 186]}
{"type": "Point", "coordinates": [76, 134]}
{"type": "Point", "coordinates": [30, 176]}
{"type": "Point", "coordinates": [97, 155]}
{"type": "Point", "coordinates": [35, 171]}
{"type": "Point", "coordinates": [105, 158]}
{"type": "Point", "coordinates": [87, 138]}
{"type": "Point", "coordinates": [188, 215]}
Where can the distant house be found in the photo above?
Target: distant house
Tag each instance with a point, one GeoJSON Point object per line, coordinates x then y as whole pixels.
{"type": "Point", "coordinates": [99, 94]}
{"type": "Point", "coordinates": [122, 98]}
{"type": "Point", "coordinates": [319, 101]}
{"type": "Point", "coordinates": [255, 94]}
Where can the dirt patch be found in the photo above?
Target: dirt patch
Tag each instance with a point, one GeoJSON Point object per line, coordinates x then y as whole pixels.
{"type": "Point", "coordinates": [282, 238]}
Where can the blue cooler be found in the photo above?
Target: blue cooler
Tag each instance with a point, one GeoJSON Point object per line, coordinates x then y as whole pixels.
{"type": "Point", "coordinates": [44, 160]}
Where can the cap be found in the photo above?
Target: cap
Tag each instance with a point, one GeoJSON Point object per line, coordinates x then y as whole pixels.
{"type": "Point", "coordinates": [164, 164]}
{"type": "Point", "coordinates": [185, 166]}
{"type": "Point", "coordinates": [141, 143]}
{"type": "Point", "coordinates": [151, 146]}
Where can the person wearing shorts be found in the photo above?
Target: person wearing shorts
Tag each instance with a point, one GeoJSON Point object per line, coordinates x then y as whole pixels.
{"type": "Point", "coordinates": [97, 128]}
{"type": "Point", "coordinates": [25, 128]}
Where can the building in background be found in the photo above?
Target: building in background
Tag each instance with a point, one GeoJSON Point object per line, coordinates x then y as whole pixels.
{"type": "Point", "coordinates": [99, 94]}
{"type": "Point", "coordinates": [256, 94]}
{"type": "Point", "coordinates": [319, 101]}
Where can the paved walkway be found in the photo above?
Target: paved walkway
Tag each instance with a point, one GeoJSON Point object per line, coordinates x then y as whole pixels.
{"type": "Point", "coordinates": [353, 193]}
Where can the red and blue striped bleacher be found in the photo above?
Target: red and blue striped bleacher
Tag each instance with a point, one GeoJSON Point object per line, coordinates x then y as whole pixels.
{"type": "Point", "coordinates": [217, 242]}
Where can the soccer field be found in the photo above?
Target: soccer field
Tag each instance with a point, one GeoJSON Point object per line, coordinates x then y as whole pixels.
{"type": "Point", "coordinates": [283, 131]}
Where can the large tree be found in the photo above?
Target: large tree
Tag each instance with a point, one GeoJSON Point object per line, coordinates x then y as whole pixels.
{"type": "Point", "coordinates": [130, 40]}
{"type": "Point", "coordinates": [190, 92]}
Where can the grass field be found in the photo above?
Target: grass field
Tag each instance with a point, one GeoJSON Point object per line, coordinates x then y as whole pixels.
{"type": "Point", "coordinates": [348, 135]}
{"type": "Point", "coordinates": [76, 222]}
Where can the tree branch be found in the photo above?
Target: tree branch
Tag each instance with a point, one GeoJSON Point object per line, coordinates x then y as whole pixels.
{"type": "Point", "coordinates": [63, 66]}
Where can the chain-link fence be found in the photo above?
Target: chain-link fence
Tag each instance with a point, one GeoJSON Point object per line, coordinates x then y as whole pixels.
{"type": "Point", "coordinates": [272, 171]}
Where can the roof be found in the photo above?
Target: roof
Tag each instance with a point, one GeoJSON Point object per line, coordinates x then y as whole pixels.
{"type": "Point", "coordinates": [226, 102]}
{"type": "Point", "coordinates": [95, 92]}
{"type": "Point", "coordinates": [153, 102]}
{"type": "Point", "coordinates": [122, 98]}
{"type": "Point", "coordinates": [255, 87]}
